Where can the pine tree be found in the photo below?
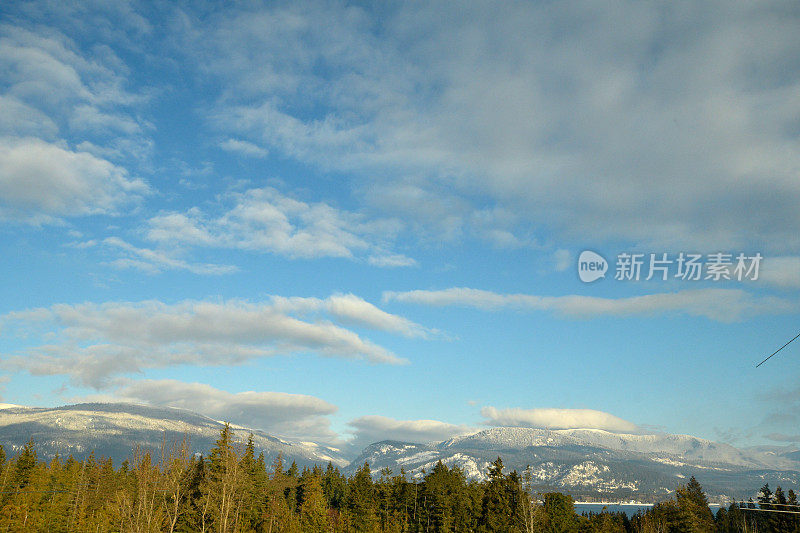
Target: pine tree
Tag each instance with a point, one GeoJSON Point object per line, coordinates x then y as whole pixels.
{"type": "Point", "coordinates": [780, 521]}
{"type": "Point", "coordinates": [695, 515]}
{"type": "Point", "coordinates": [794, 520]}
{"type": "Point", "coordinates": [361, 501]}
{"type": "Point", "coordinates": [496, 506]}
{"type": "Point", "coordinates": [334, 486]}
{"type": "Point", "coordinates": [25, 463]}
{"type": "Point", "coordinates": [314, 510]}
{"type": "Point", "coordinates": [559, 513]}
{"type": "Point", "coordinates": [225, 483]}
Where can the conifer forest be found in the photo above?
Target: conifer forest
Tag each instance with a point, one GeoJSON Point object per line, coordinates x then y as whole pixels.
{"type": "Point", "coordinates": [233, 490]}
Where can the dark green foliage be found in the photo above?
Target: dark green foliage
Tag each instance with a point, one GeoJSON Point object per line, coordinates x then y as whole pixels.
{"type": "Point", "coordinates": [235, 491]}
{"type": "Point", "coordinates": [694, 513]}
{"type": "Point", "coordinates": [25, 463]}
{"type": "Point", "coordinates": [559, 513]}
{"type": "Point", "coordinates": [334, 487]}
{"type": "Point", "coordinates": [361, 501]}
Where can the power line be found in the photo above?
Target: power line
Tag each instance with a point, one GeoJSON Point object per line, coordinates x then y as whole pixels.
{"type": "Point", "coordinates": [778, 350]}
{"type": "Point", "coordinates": [740, 504]}
{"type": "Point", "coordinates": [767, 510]}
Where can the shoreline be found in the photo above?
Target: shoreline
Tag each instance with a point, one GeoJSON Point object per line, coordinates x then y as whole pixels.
{"type": "Point", "coordinates": [616, 503]}
{"type": "Point", "coordinates": [640, 504]}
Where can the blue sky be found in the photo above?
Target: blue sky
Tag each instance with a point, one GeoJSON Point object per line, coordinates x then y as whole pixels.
{"type": "Point", "coordinates": [344, 222]}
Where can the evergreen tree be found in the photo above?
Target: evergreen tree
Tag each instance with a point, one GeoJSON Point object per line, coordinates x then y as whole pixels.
{"type": "Point", "coordinates": [334, 486]}
{"type": "Point", "coordinates": [225, 484]}
{"type": "Point", "coordinates": [559, 513]}
{"type": "Point", "coordinates": [25, 463]}
{"type": "Point", "coordinates": [361, 501]}
{"type": "Point", "coordinates": [765, 496]}
{"type": "Point", "coordinates": [314, 510]}
{"type": "Point", "coordinates": [496, 509]}
{"type": "Point", "coordinates": [695, 515]}
{"type": "Point", "coordinates": [733, 520]}
{"type": "Point", "coordinates": [780, 521]}
{"type": "Point", "coordinates": [792, 505]}
{"type": "Point", "coordinates": [193, 519]}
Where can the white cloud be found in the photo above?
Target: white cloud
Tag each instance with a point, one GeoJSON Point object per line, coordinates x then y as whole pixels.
{"type": "Point", "coordinates": [154, 261]}
{"type": "Point", "coordinates": [562, 259]}
{"type": "Point", "coordinates": [391, 260]}
{"type": "Point", "coordinates": [557, 419]}
{"type": "Point", "coordinates": [52, 90]}
{"type": "Point", "coordinates": [724, 305]}
{"type": "Point", "coordinates": [18, 118]}
{"type": "Point", "coordinates": [93, 342]}
{"type": "Point", "coordinates": [374, 428]}
{"type": "Point", "coordinates": [781, 271]}
{"type": "Point", "coordinates": [537, 108]}
{"type": "Point", "coordinates": [49, 71]}
{"type": "Point", "coordinates": [243, 147]}
{"type": "Point", "coordinates": [40, 179]}
{"type": "Point", "coordinates": [277, 413]}
{"type": "Point", "coordinates": [352, 310]}
{"type": "Point", "coordinates": [266, 220]}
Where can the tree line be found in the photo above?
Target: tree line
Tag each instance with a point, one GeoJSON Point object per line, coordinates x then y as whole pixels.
{"type": "Point", "coordinates": [233, 490]}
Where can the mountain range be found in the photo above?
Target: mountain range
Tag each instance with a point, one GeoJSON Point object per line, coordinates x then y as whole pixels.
{"type": "Point", "coordinates": [597, 464]}
{"type": "Point", "coordinates": [114, 429]}
{"type": "Point", "coordinates": [587, 463]}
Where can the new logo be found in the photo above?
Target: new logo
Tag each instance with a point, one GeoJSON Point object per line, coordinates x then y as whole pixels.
{"type": "Point", "coordinates": [591, 266]}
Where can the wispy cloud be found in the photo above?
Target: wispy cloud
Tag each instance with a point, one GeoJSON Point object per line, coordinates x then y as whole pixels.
{"type": "Point", "coordinates": [243, 147]}
{"type": "Point", "coordinates": [57, 102]}
{"type": "Point", "coordinates": [266, 220]}
{"type": "Point", "coordinates": [724, 305]}
{"type": "Point", "coordinates": [352, 310]}
{"type": "Point", "coordinates": [391, 260]}
{"type": "Point", "coordinates": [154, 261]}
{"type": "Point", "coordinates": [93, 342]}
{"type": "Point", "coordinates": [782, 272]}
{"type": "Point", "coordinates": [583, 100]}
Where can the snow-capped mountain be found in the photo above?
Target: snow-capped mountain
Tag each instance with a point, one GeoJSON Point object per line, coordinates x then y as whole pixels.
{"type": "Point", "coordinates": [688, 448]}
{"type": "Point", "coordinates": [591, 462]}
{"type": "Point", "coordinates": [584, 462]}
{"type": "Point", "coordinates": [114, 429]}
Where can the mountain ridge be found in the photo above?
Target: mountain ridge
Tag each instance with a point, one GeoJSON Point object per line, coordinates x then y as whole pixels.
{"type": "Point", "coordinates": [586, 462]}
{"type": "Point", "coordinates": [114, 429]}
{"type": "Point", "coordinates": [592, 463]}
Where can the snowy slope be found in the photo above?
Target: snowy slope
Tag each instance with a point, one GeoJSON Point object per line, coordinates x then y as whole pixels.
{"type": "Point", "coordinates": [113, 430]}
{"type": "Point", "coordinates": [684, 447]}
{"type": "Point", "coordinates": [595, 463]}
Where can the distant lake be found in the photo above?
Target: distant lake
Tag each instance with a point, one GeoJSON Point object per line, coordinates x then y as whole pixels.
{"type": "Point", "coordinates": [629, 509]}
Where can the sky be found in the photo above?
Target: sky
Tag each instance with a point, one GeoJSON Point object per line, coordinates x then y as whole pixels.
{"type": "Point", "coordinates": [346, 222]}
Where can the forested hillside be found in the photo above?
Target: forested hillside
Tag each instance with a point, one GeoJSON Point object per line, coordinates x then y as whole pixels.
{"type": "Point", "coordinates": [233, 490]}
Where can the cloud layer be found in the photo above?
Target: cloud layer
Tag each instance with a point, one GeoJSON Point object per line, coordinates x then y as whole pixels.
{"type": "Point", "coordinates": [66, 127]}
{"type": "Point", "coordinates": [724, 305]}
{"type": "Point", "coordinates": [93, 342]}
{"type": "Point", "coordinates": [557, 419]}
{"type": "Point", "coordinates": [535, 110]}
{"type": "Point", "coordinates": [374, 428]}
{"type": "Point", "coordinates": [266, 220]}
{"type": "Point", "coordinates": [277, 413]}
